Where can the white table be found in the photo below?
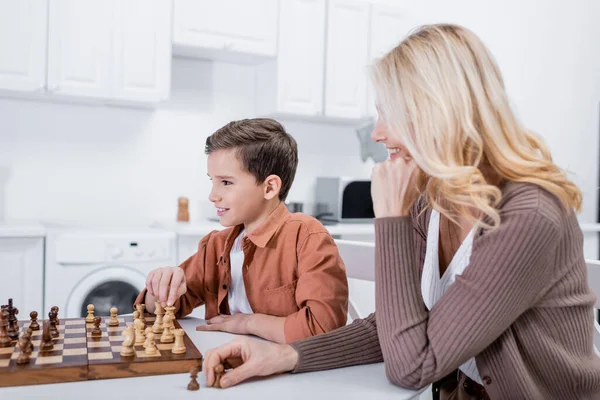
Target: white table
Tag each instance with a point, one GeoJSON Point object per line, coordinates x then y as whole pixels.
{"type": "Point", "coordinates": [366, 381]}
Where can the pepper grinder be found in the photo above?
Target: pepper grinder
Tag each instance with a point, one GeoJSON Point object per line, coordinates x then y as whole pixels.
{"type": "Point", "coordinates": [183, 214]}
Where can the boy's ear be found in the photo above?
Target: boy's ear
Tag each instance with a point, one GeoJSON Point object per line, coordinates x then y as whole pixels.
{"type": "Point", "coordinates": [272, 186]}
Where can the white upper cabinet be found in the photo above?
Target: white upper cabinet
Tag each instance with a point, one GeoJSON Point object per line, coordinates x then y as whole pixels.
{"type": "Point", "coordinates": [347, 56]}
{"type": "Point", "coordinates": [293, 84]}
{"type": "Point", "coordinates": [23, 36]}
{"type": "Point", "coordinates": [79, 48]}
{"type": "Point", "coordinates": [142, 50]}
{"type": "Point", "coordinates": [389, 26]}
{"type": "Point", "coordinates": [218, 29]}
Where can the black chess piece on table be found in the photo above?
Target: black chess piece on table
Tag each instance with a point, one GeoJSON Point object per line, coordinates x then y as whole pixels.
{"type": "Point", "coordinates": [194, 385]}
{"type": "Point", "coordinates": [34, 325]}
{"type": "Point", "coordinates": [5, 340]}
{"type": "Point", "coordinates": [52, 323]}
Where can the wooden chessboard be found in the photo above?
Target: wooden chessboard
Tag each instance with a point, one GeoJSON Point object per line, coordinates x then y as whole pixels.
{"type": "Point", "coordinates": [77, 356]}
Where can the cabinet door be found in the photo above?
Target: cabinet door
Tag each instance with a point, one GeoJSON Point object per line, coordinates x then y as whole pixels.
{"type": "Point", "coordinates": [142, 58]}
{"type": "Point", "coordinates": [301, 59]}
{"type": "Point", "coordinates": [347, 55]}
{"type": "Point", "coordinates": [79, 47]}
{"type": "Point", "coordinates": [389, 25]}
{"type": "Point", "coordinates": [22, 271]}
{"type": "Point", "coordinates": [232, 25]}
{"type": "Point", "coordinates": [23, 30]}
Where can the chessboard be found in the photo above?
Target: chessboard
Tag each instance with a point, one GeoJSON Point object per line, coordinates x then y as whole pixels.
{"type": "Point", "coordinates": [79, 356]}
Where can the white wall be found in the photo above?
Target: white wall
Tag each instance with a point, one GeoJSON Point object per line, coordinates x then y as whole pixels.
{"type": "Point", "coordinates": [107, 165]}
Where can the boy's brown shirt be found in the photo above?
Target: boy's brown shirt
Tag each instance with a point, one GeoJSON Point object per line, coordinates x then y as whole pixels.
{"type": "Point", "coordinates": [292, 268]}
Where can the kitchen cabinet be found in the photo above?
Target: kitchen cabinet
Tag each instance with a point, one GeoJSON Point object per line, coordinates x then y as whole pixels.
{"type": "Point", "coordinates": [347, 56]}
{"type": "Point", "coordinates": [389, 25]}
{"type": "Point", "coordinates": [112, 51]}
{"type": "Point", "coordinates": [23, 36]}
{"type": "Point", "coordinates": [22, 271]}
{"type": "Point", "coordinates": [294, 83]}
{"type": "Point", "coordinates": [227, 29]}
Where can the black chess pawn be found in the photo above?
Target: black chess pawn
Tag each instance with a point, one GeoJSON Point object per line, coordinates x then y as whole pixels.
{"type": "Point", "coordinates": [97, 331]}
{"type": "Point", "coordinates": [52, 323]}
{"type": "Point", "coordinates": [24, 355]}
{"type": "Point", "coordinates": [34, 322]}
{"type": "Point", "coordinates": [27, 335]}
{"type": "Point", "coordinates": [194, 385]}
{"type": "Point", "coordinates": [55, 309]}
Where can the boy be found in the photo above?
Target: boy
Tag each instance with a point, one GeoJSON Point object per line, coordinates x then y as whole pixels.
{"type": "Point", "coordinates": [272, 274]}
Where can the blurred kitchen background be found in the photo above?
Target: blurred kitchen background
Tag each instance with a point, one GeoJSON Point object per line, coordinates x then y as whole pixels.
{"type": "Point", "coordinates": [105, 107]}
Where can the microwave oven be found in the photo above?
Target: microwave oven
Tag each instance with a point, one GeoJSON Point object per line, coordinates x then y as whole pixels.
{"type": "Point", "coordinates": [342, 199]}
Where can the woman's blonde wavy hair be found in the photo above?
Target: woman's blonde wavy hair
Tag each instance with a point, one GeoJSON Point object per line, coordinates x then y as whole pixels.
{"type": "Point", "coordinates": [441, 94]}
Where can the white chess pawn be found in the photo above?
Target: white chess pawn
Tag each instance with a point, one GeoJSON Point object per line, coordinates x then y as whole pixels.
{"type": "Point", "coordinates": [151, 346]}
{"type": "Point", "coordinates": [90, 317]}
{"type": "Point", "coordinates": [138, 325]}
{"type": "Point", "coordinates": [146, 332]}
{"type": "Point", "coordinates": [158, 324]}
{"type": "Point", "coordinates": [167, 335]}
{"type": "Point", "coordinates": [179, 346]}
{"type": "Point", "coordinates": [170, 310]}
{"type": "Point", "coordinates": [140, 308]}
{"type": "Point", "coordinates": [127, 345]}
{"type": "Point", "coordinates": [113, 321]}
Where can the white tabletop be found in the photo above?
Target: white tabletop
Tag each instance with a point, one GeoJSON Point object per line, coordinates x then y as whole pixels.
{"type": "Point", "coordinates": [360, 382]}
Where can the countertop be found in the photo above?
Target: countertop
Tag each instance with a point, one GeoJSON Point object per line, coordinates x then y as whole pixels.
{"type": "Point", "coordinates": [359, 382]}
{"type": "Point", "coordinates": [21, 229]}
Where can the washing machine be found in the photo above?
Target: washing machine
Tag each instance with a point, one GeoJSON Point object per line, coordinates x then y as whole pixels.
{"type": "Point", "coordinates": [103, 268]}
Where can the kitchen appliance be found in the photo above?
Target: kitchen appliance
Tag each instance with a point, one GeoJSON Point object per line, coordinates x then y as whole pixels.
{"type": "Point", "coordinates": [343, 199]}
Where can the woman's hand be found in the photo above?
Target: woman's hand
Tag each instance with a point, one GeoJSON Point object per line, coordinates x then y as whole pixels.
{"type": "Point", "coordinates": [249, 357]}
{"type": "Point", "coordinates": [392, 187]}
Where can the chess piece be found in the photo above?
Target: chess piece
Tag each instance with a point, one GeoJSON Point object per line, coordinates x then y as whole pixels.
{"type": "Point", "coordinates": [113, 321]}
{"type": "Point", "coordinates": [5, 340]}
{"type": "Point", "coordinates": [34, 323]}
{"type": "Point", "coordinates": [167, 335]}
{"type": "Point", "coordinates": [179, 346]}
{"type": "Point", "coordinates": [138, 325]}
{"type": "Point", "coordinates": [170, 310]}
{"type": "Point", "coordinates": [140, 309]}
{"type": "Point", "coordinates": [27, 335]}
{"type": "Point", "coordinates": [183, 214]}
{"type": "Point", "coordinates": [146, 332]}
{"type": "Point", "coordinates": [194, 385]}
{"type": "Point", "coordinates": [97, 332]}
{"type": "Point", "coordinates": [13, 323]}
{"type": "Point", "coordinates": [90, 317]}
{"type": "Point", "coordinates": [24, 355]}
{"type": "Point", "coordinates": [47, 343]}
{"type": "Point", "coordinates": [136, 316]}
{"type": "Point", "coordinates": [158, 322]}
{"type": "Point", "coordinates": [219, 372]}
{"type": "Point", "coordinates": [127, 345]}
{"type": "Point", "coordinates": [52, 323]}
{"type": "Point", "coordinates": [151, 345]}
{"type": "Point", "coordinates": [56, 320]}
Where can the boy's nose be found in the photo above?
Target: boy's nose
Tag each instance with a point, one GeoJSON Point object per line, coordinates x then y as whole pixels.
{"type": "Point", "coordinates": [213, 197]}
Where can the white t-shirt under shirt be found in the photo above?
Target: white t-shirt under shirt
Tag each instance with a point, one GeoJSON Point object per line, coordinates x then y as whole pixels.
{"type": "Point", "coordinates": [238, 301]}
{"type": "Point", "coordinates": [433, 286]}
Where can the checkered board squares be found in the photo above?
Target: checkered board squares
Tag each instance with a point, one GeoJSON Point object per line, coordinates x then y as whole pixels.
{"type": "Point", "coordinates": [77, 355]}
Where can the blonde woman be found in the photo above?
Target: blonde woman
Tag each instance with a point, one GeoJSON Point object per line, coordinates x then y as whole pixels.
{"type": "Point", "coordinates": [481, 285]}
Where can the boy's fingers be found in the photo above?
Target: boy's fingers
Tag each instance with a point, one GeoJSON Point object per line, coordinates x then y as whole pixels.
{"type": "Point", "coordinates": [156, 282]}
{"type": "Point", "coordinates": [176, 281]}
{"type": "Point", "coordinates": [165, 283]}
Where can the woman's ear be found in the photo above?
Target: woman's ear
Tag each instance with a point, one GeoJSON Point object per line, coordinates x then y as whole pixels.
{"type": "Point", "coordinates": [272, 187]}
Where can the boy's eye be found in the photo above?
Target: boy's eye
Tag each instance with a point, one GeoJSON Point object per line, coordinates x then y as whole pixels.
{"type": "Point", "coordinates": [226, 183]}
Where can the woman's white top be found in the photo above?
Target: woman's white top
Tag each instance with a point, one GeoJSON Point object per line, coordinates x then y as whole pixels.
{"type": "Point", "coordinates": [238, 301]}
{"type": "Point", "coordinates": [433, 286]}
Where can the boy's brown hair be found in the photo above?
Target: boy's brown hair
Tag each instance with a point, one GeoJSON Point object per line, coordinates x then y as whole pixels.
{"type": "Point", "coordinates": [263, 147]}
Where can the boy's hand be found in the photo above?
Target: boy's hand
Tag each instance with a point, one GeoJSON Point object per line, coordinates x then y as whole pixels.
{"type": "Point", "coordinates": [167, 284]}
{"type": "Point", "coordinates": [237, 323]}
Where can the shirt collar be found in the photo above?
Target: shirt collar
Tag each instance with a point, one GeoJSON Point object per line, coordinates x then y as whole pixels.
{"type": "Point", "coordinates": [265, 231]}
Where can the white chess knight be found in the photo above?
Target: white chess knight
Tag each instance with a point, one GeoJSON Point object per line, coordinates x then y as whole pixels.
{"type": "Point", "coordinates": [179, 346]}
{"type": "Point", "coordinates": [127, 345]}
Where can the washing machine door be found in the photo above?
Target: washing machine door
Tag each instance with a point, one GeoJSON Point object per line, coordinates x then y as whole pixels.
{"type": "Point", "coordinates": [113, 286]}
